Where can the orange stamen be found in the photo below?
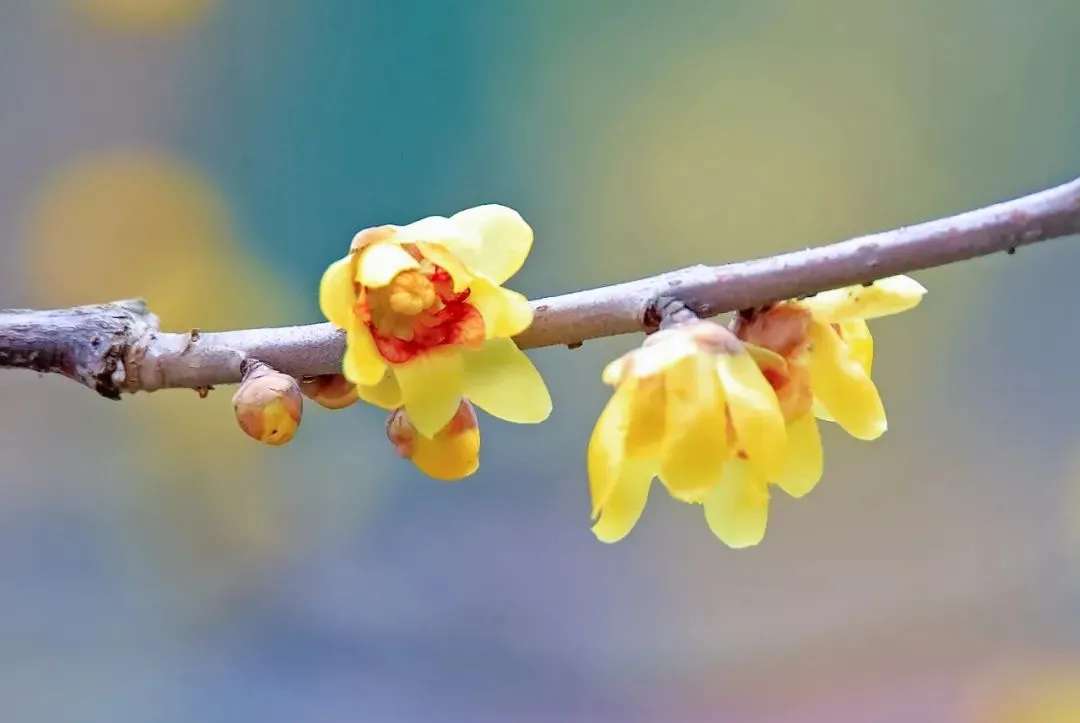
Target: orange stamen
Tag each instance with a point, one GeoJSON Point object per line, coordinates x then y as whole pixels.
{"type": "Point", "coordinates": [419, 311]}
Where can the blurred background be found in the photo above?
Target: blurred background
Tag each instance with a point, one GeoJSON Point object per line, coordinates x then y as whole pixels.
{"type": "Point", "coordinates": [215, 155]}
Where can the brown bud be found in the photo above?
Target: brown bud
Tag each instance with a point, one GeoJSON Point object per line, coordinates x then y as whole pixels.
{"type": "Point", "coordinates": [332, 391]}
{"type": "Point", "coordinates": [452, 454]}
{"type": "Point", "coordinates": [268, 404]}
{"type": "Point", "coordinates": [782, 328]}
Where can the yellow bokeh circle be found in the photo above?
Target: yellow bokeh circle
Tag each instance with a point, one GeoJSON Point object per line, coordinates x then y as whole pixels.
{"type": "Point", "coordinates": [140, 223]}
{"type": "Point", "coordinates": [143, 15]}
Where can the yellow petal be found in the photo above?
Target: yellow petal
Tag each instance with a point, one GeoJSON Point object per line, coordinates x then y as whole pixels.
{"type": "Point", "coordinates": [755, 413]}
{"type": "Point", "coordinates": [766, 359]}
{"type": "Point", "coordinates": [363, 364]}
{"type": "Point", "coordinates": [441, 256]}
{"type": "Point", "coordinates": [607, 445]}
{"type": "Point", "coordinates": [737, 509]}
{"type": "Point", "coordinates": [613, 373]}
{"type": "Point", "coordinates": [505, 241]}
{"type": "Point", "coordinates": [821, 412]}
{"type": "Point", "coordinates": [380, 262]}
{"type": "Point", "coordinates": [806, 460]}
{"type": "Point", "coordinates": [696, 446]}
{"type": "Point", "coordinates": [626, 502]}
{"type": "Point", "coordinates": [884, 297]}
{"type": "Point", "coordinates": [336, 294]}
{"type": "Point", "coordinates": [860, 343]}
{"type": "Point", "coordinates": [648, 420]}
{"type": "Point", "coordinates": [449, 456]}
{"type": "Point", "coordinates": [842, 385]}
{"type": "Point", "coordinates": [506, 313]}
{"type": "Point", "coordinates": [386, 394]}
{"type": "Point", "coordinates": [439, 230]}
{"type": "Point", "coordinates": [431, 388]}
{"type": "Point", "coordinates": [501, 380]}
{"type": "Point", "coordinates": [857, 336]}
{"type": "Point", "coordinates": [663, 354]}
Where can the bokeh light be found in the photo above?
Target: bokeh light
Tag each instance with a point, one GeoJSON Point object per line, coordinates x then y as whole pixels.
{"type": "Point", "coordinates": [139, 222]}
{"type": "Point", "coordinates": [1041, 693]}
{"type": "Point", "coordinates": [143, 16]}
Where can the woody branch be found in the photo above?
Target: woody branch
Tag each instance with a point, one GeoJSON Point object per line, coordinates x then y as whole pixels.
{"type": "Point", "coordinates": [117, 347]}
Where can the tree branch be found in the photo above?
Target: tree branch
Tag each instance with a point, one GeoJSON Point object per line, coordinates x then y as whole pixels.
{"type": "Point", "coordinates": [117, 347]}
{"type": "Point", "coordinates": [87, 344]}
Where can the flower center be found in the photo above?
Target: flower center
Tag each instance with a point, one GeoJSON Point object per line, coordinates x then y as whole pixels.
{"type": "Point", "coordinates": [419, 311]}
{"type": "Point", "coordinates": [783, 330]}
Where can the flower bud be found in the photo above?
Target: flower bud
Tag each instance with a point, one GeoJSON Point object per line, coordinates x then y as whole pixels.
{"type": "Point", "coordinates": [268, 404]}
{"type": "Point", "coordinates": [452, 454]}
{"type": "Point", "coordinates": [332, 391]}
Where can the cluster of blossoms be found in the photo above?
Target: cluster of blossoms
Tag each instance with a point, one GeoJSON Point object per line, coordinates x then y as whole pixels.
{"type": "Point", "coordinates": [716, 414]}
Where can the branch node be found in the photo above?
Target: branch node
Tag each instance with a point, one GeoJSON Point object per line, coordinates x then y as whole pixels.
{"type": "Point", "coordinates": [666, 312]}
{"type": "Point", "coordinates": [87, 344]}
{"type": "Point", "coordinates": [192, 340]}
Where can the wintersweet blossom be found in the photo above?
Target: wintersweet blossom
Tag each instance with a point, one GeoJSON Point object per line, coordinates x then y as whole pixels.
{"type": "Point", "coordinates": [685, 402]}
{"type": "Point", "coordinates": [737, 509]}
{"type": "Point", "coordinates": [452, 454]}
{"type": "Point", "coordinates": [823, 353]}
{"type": "Point", "coordinates": [428, 321]}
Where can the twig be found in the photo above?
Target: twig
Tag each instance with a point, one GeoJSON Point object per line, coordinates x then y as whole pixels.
{"type": "Point", "coordinates": [87, 343]}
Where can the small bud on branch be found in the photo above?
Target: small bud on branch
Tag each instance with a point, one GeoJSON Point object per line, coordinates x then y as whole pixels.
{"type": "Point", "coordinates": [268, 404]}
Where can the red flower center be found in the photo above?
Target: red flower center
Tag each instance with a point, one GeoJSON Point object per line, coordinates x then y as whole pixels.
{"type": "Point", "coordinates": [419, 311]}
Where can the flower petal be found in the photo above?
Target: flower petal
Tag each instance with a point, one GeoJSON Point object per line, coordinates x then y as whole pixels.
{"type": "Point", "coordinates": [821, 412]}
{"type": "Point", "coordinates": [431, 388]}
{"type": "Point", "coordinates": [336, 293]}
{"type": "Point", "coordinates": [662, 353]}
{"type": "Point", "coordinates": [607, 445]}
{"type": "Point", "coordinates": [440, 230]}
{"type": "Point", "coordinates": [766, 359]}
{"type": "Point", "coordinates": [386, 394]}
{"type": "Point", "coordinates": [648, 420]}
{"type": "Point", "coordinates": [500, 379]}
{"type": "Point", "coordinates": [615, 370]}
{"type": "Point", "coordinates": [453, 454]}
{"type": "Point", "coordinates": [627, 500]}
{"type": "Point", "coordinates": [505, 241]}
{"type": "Point", "coordinates": [696, 444]}
{"type": "Point", "coordinates": [737, 509]}
{"type": "Point", "coordinates": [380, 262]}
{"type": "Point", "coordinates": [363, 364]}
{"type": "Point", "coordinates": [506, 313]}
{"type": "Point", "coordinates": [842, 385]}
{"type": "Point", "coordinates": [856, 334]}
{"type": "Point", "coordinates": [806, 459]}
{"type": "Point", "coordinates": [755, 412]}
{"type": "Point", "coordinates": [884, 297]}
{"type": "Point", "coordinates": [441, 256]}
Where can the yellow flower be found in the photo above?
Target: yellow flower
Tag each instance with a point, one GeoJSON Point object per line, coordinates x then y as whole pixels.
{"type": "Point", "coordinates": [737, 509]}
{"type": "Point", "coordinates": [452, 454]}
{"type": "Point", "coordinates": [817, 355]}
{"type": "Point", "coordinates": [685, 401]}
{"type": "Point", "coordinates": [827, 350]}
{"type": "Point", "coordinates": [428, 322]}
